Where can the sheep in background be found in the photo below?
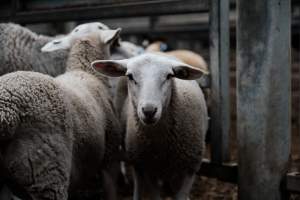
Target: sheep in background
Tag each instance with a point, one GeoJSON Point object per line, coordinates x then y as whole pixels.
{"type": "Point", "coordinates": [166, 123]}
{"type": "Point", "coordinates": [190, 58]}
{"type": "Point", "coordinates": [186, 56]}
{"type": "Point", "coordinates": [118, 84]}
{"type": "Point", "coordinates": [120, 50]}
{"type": "Point", "coordinates": [54, 129]}
{"type": "Point", "coordinates": [125, 50]}
{"type": "Point", "coordinates": [21, 49]}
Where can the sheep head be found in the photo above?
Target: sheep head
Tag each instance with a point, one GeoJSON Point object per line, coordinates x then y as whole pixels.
{"type": "Point", "coordinates": [82, 31]}
{"type": "Point", "coordinates": [149, 81]}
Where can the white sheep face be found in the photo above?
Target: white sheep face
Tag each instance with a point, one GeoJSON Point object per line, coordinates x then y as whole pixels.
{"type": "Point", "coordinates": [150, 87]}
{"type": "Point", "coordinates": [149, 81]}
{"type": "Point", "coordinates": [78, 32]}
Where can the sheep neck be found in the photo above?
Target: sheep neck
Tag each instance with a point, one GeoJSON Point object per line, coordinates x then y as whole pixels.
{"type": "Point", "coordinates": [82, 54]}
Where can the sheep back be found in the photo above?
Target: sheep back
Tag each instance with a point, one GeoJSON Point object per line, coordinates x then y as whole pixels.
{"type": "Point", "coordinates": [20, 50]}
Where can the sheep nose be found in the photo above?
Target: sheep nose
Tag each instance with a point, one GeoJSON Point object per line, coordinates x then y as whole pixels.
{"type": "Point", "coordinates": [149, 111]}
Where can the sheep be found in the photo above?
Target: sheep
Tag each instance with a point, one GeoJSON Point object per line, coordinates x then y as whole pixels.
{"type": "Point", "coordinates": [55, 129]}
{"type": "Point", "coordinates": [120, 49]}
{"type": "Point", "coordinates": [166, 122]}
{"type": "Point", "coordinates": [183, 55]}
{"type": "Point", "coordinates": [21, 49]}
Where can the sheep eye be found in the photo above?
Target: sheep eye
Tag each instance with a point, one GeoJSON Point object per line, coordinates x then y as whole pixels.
{"type": "Point", "coordinates": [169, 76]}
{"type": "Point", "coordinates": [76, 30]}
{"type": "Point", "coordinates": [130, 77]}
{"type": "Point", "coordinates": [99, 27]}
{"type": "Point", "coordinates": [56, 42]}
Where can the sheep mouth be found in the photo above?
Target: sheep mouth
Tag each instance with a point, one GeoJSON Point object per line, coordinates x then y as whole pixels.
{"type": "Point", "coordinates": [149, 121]}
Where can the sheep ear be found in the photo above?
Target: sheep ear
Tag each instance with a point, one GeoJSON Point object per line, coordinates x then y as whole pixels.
{"type": "Point", "coordinates": [57, 44]}
{"type": "Point", "coordinates": [187, 72]}
{"type": "Point", "coordinates": [110, 36]}
{"type": "Point", "coordinates": [113, 68]}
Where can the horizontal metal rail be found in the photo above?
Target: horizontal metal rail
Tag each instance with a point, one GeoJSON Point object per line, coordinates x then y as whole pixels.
{"type": "Point", "coordinates": [131, 9]}
{"type": "Point", "coordinates": [227, 172]}
{"type": "Point", "coordinates": [293, 182]}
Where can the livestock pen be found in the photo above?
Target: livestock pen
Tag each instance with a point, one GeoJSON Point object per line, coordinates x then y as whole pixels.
{"type": "Point", "coordinates": [263, 77]}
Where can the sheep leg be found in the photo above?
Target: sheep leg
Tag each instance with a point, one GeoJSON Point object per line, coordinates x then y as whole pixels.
{"type": "Point", "coordinates": [5, 194]}
{"type": "Point", "coordinates": [143, 183]}
{"type": "Point", "coordinates": [153, 188]}
{"type": "Point", "coordinates": [109, 185]}
{"type": "Point", "coordinates": [138, 184]}
{"type": "Point", "coordinates": [186, 186]}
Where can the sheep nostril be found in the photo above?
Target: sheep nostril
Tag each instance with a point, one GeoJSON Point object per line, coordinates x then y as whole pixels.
{"type": "Point", "coordinates": [149, 111]}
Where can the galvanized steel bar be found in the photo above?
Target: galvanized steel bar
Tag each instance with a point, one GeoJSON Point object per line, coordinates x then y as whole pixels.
{"type": "Point", "coordinates": [219, 66]}
{"type": "Point", "coordinates": [263, 97]}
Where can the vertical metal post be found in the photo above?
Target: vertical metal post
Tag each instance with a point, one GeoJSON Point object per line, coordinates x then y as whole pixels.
{"type": "Point", "coordinates": [219, 66]}
{"type": "Point", "coordinates": [263, 97]}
